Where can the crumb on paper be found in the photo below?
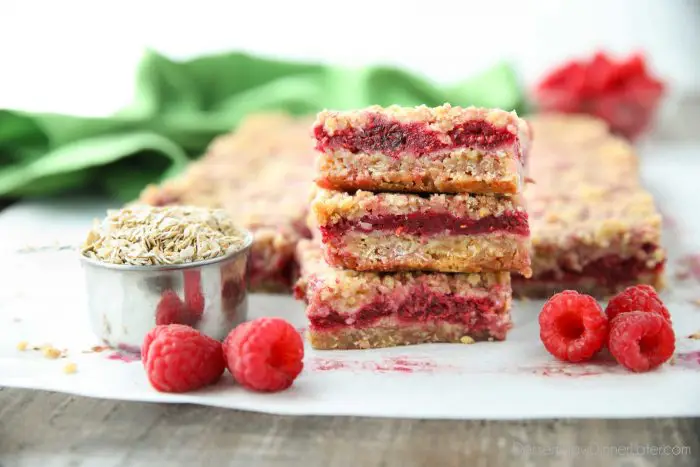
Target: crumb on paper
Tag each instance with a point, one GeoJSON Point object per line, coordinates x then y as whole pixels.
{"type": "Point", "coordinates": [22, 346]}
{"type": "Point", "coordinates": [467, 340]}
{"type": "Point", "coordinates": [696, 302]}
{"type": "Point", "coordinates": [695, 335]}
{"type": "Point", "coordinates": [147, 235]}
{"type": "Point", "coordinates": [70, 368]}
{"type": "Point", "coordinates": [672, 362]}
{"type": "Point", "coordinates": [51, 352]}
{"type": "Point", "coordinates": [682, 274]}
{"type": "Point", "coordinates": [96, 349]}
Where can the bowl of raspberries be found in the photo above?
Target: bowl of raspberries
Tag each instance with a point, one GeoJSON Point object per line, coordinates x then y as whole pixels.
{"type": "Point", "coordinates": [622, 92]}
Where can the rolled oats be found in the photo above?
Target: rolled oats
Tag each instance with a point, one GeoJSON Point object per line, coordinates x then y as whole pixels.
{"type": "Point", "coordinates": [147, 235]}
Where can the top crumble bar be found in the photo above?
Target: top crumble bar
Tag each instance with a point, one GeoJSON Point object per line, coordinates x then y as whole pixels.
{"type": "Point", "coordinates": [443, 149]}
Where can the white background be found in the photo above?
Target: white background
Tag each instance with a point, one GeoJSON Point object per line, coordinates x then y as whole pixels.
{"type": "Point", "coordinates": [79, 55]}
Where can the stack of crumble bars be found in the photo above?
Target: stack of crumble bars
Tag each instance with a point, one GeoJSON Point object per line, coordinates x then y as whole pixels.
{"type": "Point", "coordinates": [419, 220]}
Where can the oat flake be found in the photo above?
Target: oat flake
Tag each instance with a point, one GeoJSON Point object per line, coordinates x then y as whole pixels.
{"type": "Point", "coordinates": [147, 235]}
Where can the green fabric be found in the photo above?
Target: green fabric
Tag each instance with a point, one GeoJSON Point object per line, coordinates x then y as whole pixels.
{"type": "Point", "coordinates": [180, 106]}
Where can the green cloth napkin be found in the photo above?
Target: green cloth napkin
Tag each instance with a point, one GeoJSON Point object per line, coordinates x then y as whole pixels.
{"type": "Point", "coordinates": [180, 106]}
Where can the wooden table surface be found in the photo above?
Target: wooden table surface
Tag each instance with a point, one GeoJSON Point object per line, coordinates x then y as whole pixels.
{"type": "Point", "coordinates": [49, 429]}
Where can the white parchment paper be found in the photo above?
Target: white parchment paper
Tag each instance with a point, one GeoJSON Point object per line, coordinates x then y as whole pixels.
{"type": "Point", "coordinates": [42, 301]}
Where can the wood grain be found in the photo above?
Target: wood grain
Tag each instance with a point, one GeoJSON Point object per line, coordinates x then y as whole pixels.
{"type": "Point", "coordinates": [51, 429]}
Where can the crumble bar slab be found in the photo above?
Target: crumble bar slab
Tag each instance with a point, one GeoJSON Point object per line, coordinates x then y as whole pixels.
{"type": "Point", "coordinates": [594, 228]}
{"type": "Point", "coordinates": [261, 174]}
{"type": "Point", "coordinates": [444, 149]}
{"type": "Point", "coordinates": [439, 232]}
{"type": "Point", "coordinates": [358, 310]}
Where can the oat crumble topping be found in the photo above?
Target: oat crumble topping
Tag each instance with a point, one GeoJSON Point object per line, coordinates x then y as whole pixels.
{"type": "Point", "coordinates": [442, 118]}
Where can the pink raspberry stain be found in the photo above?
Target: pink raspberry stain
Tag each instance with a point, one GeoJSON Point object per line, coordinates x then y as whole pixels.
{"type": "Point", "coordinates": [668, 221]}
{"type": "Point", "coordinates": [124, 357]}
{"type": "Point", "coordinates": [600, 366]}
{"type": "Point", "coordinates": [126, 353]}
{"type": "Point", "coordinates": [386, 365]}
{"type": "Point", "coordinates": [690, 267]}
{"type": "Point", "coordinates": [327, 364]}
{"type": "Point", "coordinates": [688, 360]}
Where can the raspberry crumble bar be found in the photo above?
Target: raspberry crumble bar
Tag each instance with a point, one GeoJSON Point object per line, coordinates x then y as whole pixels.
{"type": "Point", "coordinates": [261, 175]}
{"type": "Point", "coordinates": [594, 228]}
{"type": "Point", "coordinates": [444, 149]}
{"type": "Point", "coordinates": [358, 310]}
{"type": "Point", "coordinates": [423, 232]}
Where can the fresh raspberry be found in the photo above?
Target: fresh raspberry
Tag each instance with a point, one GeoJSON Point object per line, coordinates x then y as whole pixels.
{"type": "Point", "coordinates": [172, 310]}
{"type": "Point", "coordinates": [572, 326]}
{"type": "Point", "coordinates": [636, 298]}
{"type": "Point", "coordinates": [641, 341]}
{"type": "Point", "coordinates": [179, 358]}
{"type": "Point", "coordinates": [264, 354]}
{"type": "Point", "coordinates": [147, 342]}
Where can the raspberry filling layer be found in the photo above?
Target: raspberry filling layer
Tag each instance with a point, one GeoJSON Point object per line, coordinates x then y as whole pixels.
{"type": "Point", "coordinates": [420, 305]}
{"type": "Point", "coordinates": [418, 223]}
{"type": "Point", "coordinates": [394, 138]}
{"type": "Point", "coordinates": [609, 270]}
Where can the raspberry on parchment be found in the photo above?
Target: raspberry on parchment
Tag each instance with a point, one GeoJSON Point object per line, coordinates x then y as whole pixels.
{"type": "Point", "coordinates": [264, 354]}
{"type": "Point", "coordinates": [636, 298]}
{"type": "Point", "coordinates": [573, 327]}
{"type": "Point", "coordinates": [178, 358]}
{"type": "Point", "coordinates": [641, 341]}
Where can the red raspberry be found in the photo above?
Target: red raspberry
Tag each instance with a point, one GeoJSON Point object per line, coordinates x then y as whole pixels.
{"type": "Point", "coordinates": [636, 298]}
{"type": "Point", "coordinates": [147, 342]}
{"type": "Point", "coordinates": [179, 358]}
{"type": "Point", "coordinates": [264, 354]}
{"type": "Point", "coordinates": [641, 341]}
{"type": "Point", "coordinates": [572, 326]}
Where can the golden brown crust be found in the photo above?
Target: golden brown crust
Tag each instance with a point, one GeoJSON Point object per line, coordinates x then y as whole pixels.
{"type": "Point", "coordinates": [510, 185]}
{"type": "Point", "coordinates": [389, 333]}
{"type": "Point", "coordinates": [545, 289]}
{"type": "Point", "coordinates": [331, 206]}
{"type": "Point", "coordinates": [383, 252]}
